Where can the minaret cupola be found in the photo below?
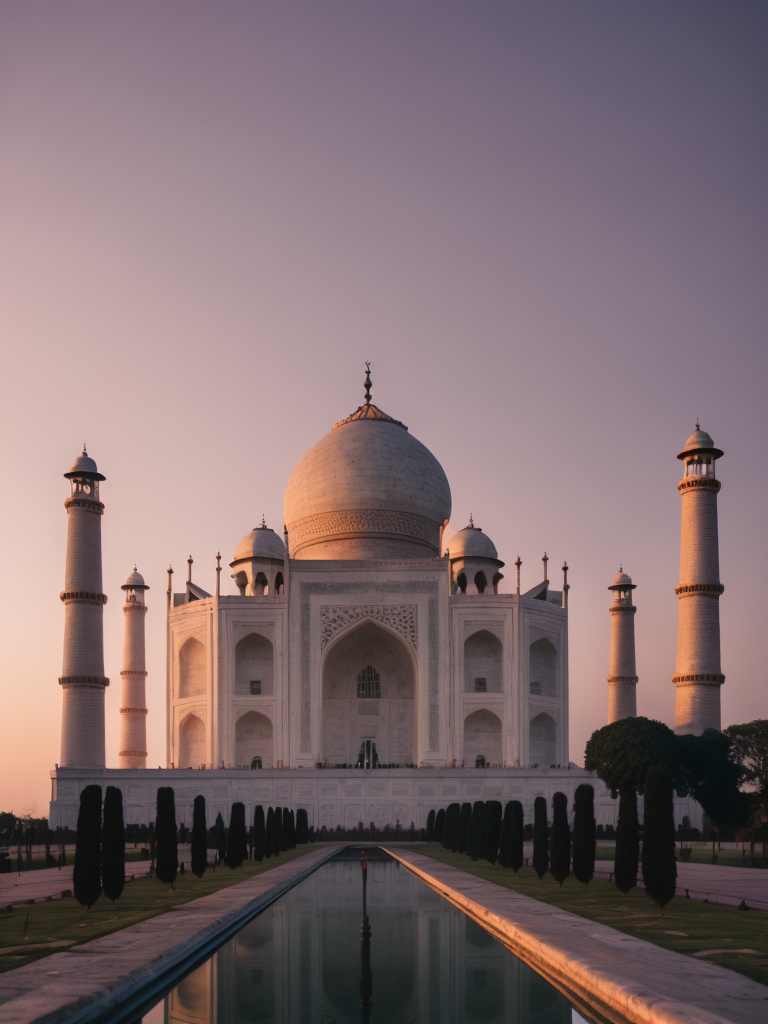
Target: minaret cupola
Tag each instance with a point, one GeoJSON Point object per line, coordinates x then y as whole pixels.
{"type": "Point", "coordinates": [258, 565]}
{"type": "Point", "coordinates": [475, 565]}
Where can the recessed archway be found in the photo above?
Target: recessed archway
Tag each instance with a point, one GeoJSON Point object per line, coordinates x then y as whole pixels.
{"type": "Point", "coordinates": [254, 666]}
{"type": "Point", "coordinates": [542, 668]}
{"type": "Point", "coordinates": [482, 739]}
{"type": "Point", "coordinates": [191, 742]}
{"type": "Point", "coordinates": [253, 739]}
{"type": "Point", "coordinates": [192, 668]}
{"type": "Point", "coordinates": [483, 659]}
{"type": "Point", "coordinates": [352, 713]}
{"type": "Point", "coordinates": [543, 741]}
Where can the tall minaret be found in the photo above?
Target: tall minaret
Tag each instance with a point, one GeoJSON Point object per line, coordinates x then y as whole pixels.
{"type": "Point", "coordinates": [697, 677]}
{"type": "Point", "coordinates": [82, 677]}
{"type": "Point", "coordinates": [133, 713]}
{"type": "Point", "coordinates": [622, 681]}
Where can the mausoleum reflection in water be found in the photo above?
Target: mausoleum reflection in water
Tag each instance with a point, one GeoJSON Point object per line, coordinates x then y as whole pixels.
{"type": "Point", "coordinates": [308, 960]}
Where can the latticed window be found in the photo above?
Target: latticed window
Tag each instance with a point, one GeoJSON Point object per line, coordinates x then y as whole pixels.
{"type": "Point", "coordinates": [368, 684]}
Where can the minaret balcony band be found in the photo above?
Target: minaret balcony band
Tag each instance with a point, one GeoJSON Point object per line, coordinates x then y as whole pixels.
{"type": "Point", "coordinates": [705, 483]}
{"type": "Point", "coordinates": [689, 589]}
{"type": "Point", "coordinates": [623, 679]}
{"type": "Point", "coordinates": [132, 753]}
{"type": "Point", "coordinates": [622, 609]}
{"type": "Point", "coordinates": [84, 682]}
{"type": "Point", "coordinates": [134, 606]}
{"type": "Point", "coordinates": [701, 677]}
{"type": "Point", "coordinates": [133, 672]}
{"type": "Point", "coordinates": [134, 711]}
{"type": "Point", "coordinates": [86, 503]}
{"type": "Point", "coordinates": [82, 595]}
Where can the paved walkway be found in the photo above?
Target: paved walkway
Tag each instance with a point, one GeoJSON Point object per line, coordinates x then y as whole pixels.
{"type": "Point", "coordinates": [716, 883]}
{"type": "Point", "coordinates": [96, 977]}
{"type": "Point", "coordinates": [624, 978]}
{"type": "Point", "coordinates": [49, 883]}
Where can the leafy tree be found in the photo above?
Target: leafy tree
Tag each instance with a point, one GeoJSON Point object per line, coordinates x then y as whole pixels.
{"type": "Point", "coordinates": [199, 850]}
{"type": "Point", "coordinates": [220, 838]}
{"type": "Point", "coordinates": [461, 833]}
{"type": "Point", "coordinates": [431, 827]}
{"type": "Point", "coordinates": [560, 857]}
{"type": "Point", "coordinates": [302, 827]}
{"type": "Point", "coordinates": [236, 840]}
{"type": "Point", "coordinates": [439, 825]}
{"type": "Point", "coordinates": [627, 841]}
{"type": "Point", "coordinates": [707, 771]}
{"type": "Point", "coordinates": [86, 878]}
{"type": "Point", "coordinates": [540, 852]}
{"type": "Point", "coordinates": [167, 865]}
{"type": "Point", "coordinates": [269, 833]}
{"type": "Point", "coordinates": [584, 833]}
{"type": "Point", "coordinates": [113, 845]}
{"type": "Point", "coordinates": [621, 753]}
{"type": "Point", "coordinates": [749, 749]}
{"type": "Point", "coordinates": [492, 830]}
{"type": "Point", "coordinates": [516, 834]}
{"type": "Point", "coordinates": [659, 867]}
{"type": "Point", "coordinates": [451, 823]}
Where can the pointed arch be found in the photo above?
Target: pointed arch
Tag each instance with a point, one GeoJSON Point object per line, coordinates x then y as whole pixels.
{"type": "Point", "coordinates": [543, 668]}
{"type": "Point", "coordinates": [192, 668]}
{"type": "Point", "coordinates": [483, 663]}
{"type": "Point", "coordinates": [253, 739]}
{"type": "Point", "coordinates": [191, 742]}
{"type": "Point", "coordinates": [542, 749]}
{"type": "Point", "coordinates": [254, 665]}
{"type": "Point", "coordinates": [482, 739]}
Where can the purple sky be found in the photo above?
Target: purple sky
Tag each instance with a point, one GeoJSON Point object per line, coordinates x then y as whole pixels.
{"type": "Point", "coordinates": [544, 224]}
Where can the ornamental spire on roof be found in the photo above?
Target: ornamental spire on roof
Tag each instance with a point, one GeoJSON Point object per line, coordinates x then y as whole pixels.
{"type": "Point", "coordinates": [367, 383]}
{"type": "Point", "coordinates": [369, 411]}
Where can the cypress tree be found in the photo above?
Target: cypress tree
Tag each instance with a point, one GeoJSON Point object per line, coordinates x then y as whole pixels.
{"type": "Point", "coordinates": [492, 830]}
{"type": "Point", "coordinates": [259, 834]}
{"type": "Point", "coordinates": [584, 833]}
{"type": "Point", "coordinates": [451, 822]}
{"type": "Point", "coordinates": [560, 859]}
{"type": "Point", "coordinates": [516, 836]}
{"type": "Point", "coordinates": [277, 835]}
{"type": "Point", "coordinates": [113, 845]}
{"type": "Point", "coordinates": [431, 827]}
{"type": "Point", "coordinates": [286, 832]}
{"type": "Point", "coordinates": [199, 838]}
{"type": "Point", "coordinates": [167, 864]}
{"type": "Point", "coordinates": [221, 839]}
{"type": "Point", "coordinates": [482, 831]}
{"type": "Point", "coordinates": [504, 839]}
{"type": "Point", "coordinates": [439, 825]}
{"type": "Point", "coordinates": [236, 837]}
{"type": "Point", "coordinates": [86, 878]}
{"type": "Point", "coordinates": [302, 826]}
{"type": "Point", "coordinates": [461, 832]}
{"type": "Point", "coordinates": [473, 830]}
{"type": "Point", "coordinates": [627, 840]}
{"type": "Point", "coordinates": [269, 833]}
{"type": "Point", "coordinates": [659, 866]}
{"type": "Point", "coordinates": [293, 829]}
{"type": "Point", "coordinates": [540, 852]}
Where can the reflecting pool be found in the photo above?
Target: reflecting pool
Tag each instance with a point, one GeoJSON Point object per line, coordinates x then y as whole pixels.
{"type": "Point", "coordinates": [369, 947]}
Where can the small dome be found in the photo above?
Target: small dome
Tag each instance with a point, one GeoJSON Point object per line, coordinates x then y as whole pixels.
{"type": "Point", "coordinates": [471, 542]}
{"type": "Point", "coordinates": [622, 582]}
{"type": "Point", "coordinates": [699, 441]}
{"type": "Point", "coordinates": [134, 581]}
{"type": "Point", "coordinates": [262, 542]}
{"type": "Point", "coordinates": [85, 466]}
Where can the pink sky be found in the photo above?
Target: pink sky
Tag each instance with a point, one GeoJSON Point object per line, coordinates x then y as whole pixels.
{"type": "Point", "coordinates": [543, 223]}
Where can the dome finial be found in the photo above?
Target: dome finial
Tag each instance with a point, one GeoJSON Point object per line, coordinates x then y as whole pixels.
{"type": "Point", "coordinates": [367, 383]}
{"type": "Point", "coordinates": [263, 525]}
{"type": "Point", "coordinates": [698, 427]}
{"type": "Point", "coordinates": [471, 522]}
{"type": "Point", "coordinates": [84, 451]}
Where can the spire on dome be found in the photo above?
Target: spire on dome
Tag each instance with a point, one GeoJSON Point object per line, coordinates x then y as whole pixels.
{"type": "Point", "coordinates": [263, 524]}
{"type": "Point", "coordinates": [369, 411]}
{"type": "Point", "coordinates": [367, 383]}
{"type": "Point", "coordinates": [471, 522]}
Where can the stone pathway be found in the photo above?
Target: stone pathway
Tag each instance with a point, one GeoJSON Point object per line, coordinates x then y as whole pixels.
{"type": "Point", "coordinates": [623, 977]}
{"type": "Point", "coordinates": [49, 883]}
{"type": "Point", "coordinates": [718, 884]}
{"type": "Point", "coordinates": [97, 976]}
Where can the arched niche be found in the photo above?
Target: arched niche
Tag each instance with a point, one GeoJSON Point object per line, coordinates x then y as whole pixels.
{"type": "Point", "coordinates": [254, 666]}
{"type": "Point", "coordinates": [350, 720]}
{"type": "Point", "coordinates": [192, 668]}
{"type": "Point", "coordinates": [191, 742]}
{"type": "Point", "coordinates": [483, 660]}
{"type": "Point", "coordinates": [543, 668]}
{"type": "Point", "coordinates": [482, 738]}
{"type": "Point", "coordinates": [253, 738]}
{"type": "Point", "coordinates": [543, 741]}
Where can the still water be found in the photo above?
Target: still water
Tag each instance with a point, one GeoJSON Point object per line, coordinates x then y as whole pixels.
{"type": "Point", "coordinates": [315, 957]}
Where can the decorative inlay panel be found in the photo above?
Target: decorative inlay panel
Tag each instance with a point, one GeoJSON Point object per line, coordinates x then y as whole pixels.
{"type": "Point", "coordinates": [403, 618]}
{"type": "Point", "coordinates": [363, 522]}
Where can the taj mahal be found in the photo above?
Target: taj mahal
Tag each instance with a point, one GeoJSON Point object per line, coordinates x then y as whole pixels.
{"type": "Point", "coordinates": [370, 668]}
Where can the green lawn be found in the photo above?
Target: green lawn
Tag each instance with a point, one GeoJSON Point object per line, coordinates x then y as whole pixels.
{"type": "Point", "coordinates": [49, 927]}
{"type": "Point", "coordinates": [38, 861]}
{"type": "Point", "coordinates": [725, 858]}
{"type": "Point", "coordinates": [687, 926]}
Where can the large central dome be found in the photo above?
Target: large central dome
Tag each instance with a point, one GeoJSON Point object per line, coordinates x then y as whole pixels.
{"type": "Point", "coordinates": [368, 489]}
